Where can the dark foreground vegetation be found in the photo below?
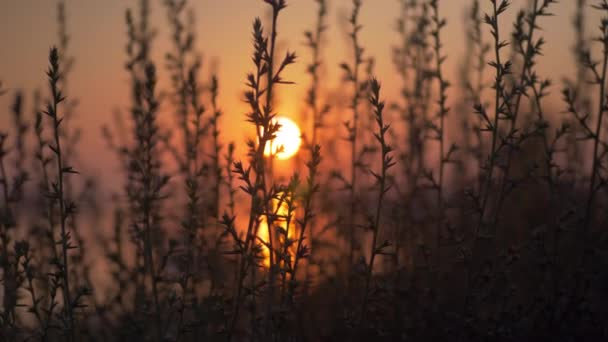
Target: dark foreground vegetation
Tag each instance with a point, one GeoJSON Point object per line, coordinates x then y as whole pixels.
{"type": "Point", "coordinates": [495, 232]}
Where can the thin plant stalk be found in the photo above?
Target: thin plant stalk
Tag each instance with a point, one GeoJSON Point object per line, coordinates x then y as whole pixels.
{"type": "Point", "coordinates": [353, 76]}
{"type": "Point", "coordinates": [444, 157]}
{"type": "Point", "coordinates": [65, 208]}
{"type": "Point", "coordinates": [382, 180]}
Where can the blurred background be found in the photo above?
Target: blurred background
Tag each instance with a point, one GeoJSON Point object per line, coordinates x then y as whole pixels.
{"type": "Point", "coordinates": [98, 38]}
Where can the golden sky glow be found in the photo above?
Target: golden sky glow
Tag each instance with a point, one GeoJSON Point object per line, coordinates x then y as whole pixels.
{"type": "Point", "coordinates": [100, 83]}
{"type": "Point", "coordinates": [281, 209]}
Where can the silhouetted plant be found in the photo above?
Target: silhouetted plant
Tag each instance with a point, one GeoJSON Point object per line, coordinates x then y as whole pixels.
{"type": "Point", "coordinates": [490, 125]}
{"type": "Point", "coordinates": [472, 74]}
{"type": "Point", "coordinates": [353, 76]}
{"type": "Point", "coordinates": [65, 206]}
{"type": "Point", "coordinates": [260, 100]}
{"type": "Point", "coordinates": [314, 40]}
{"type": "Point", "coordinates": [502, 242]}
{"type": "Point", "coordinates": [597, 178]}
{"type": "Point", "coordinates": [303, 250]}
{"type": "Point", "coordinates": [146, 180]}
{"type": "Point", "coordinates": [384, 186]}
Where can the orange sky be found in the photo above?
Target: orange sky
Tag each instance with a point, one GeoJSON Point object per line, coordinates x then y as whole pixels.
{"type": "Point", "coordinates": [28, 28]}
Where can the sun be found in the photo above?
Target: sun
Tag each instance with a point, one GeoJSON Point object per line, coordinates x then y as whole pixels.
{"type": "Point", "coordinates": [287, 141]}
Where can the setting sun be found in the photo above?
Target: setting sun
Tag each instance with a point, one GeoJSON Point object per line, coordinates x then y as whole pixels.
{"type": "Point", "coordinates": [287, 141]}
{"type": "Point", "coordinates": [291, 170]}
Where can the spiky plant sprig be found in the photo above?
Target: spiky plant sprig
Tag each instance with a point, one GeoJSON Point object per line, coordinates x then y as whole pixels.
{"type": "Point", "coordinates": [47, 244]}
{"type": "Point", "coordinates": [217, 145]}
{"type": "Point", "coordinates": [382, 179]}
{"type": "Point", "coordinates": [30, 273]}
{"type": "Point", "coordinates": [261, 115]}
{"type": "Point", "coordinates": [21, 128]}
{"type": "Point", "coordinates": [529, 48]}
{"type": "Point", "coordinates": [146, 181]}
{"type": "Point", "coordinates": [7, 223]}
{"type": "Point", "coordinates": [353, 76]}
{"type": "Point", "coordinates": [581, 45]}
{"type": "Point", "coordinates": [445, 156]}
{"type": "Point", "coordinates": [272, 252]}
{"type": "Point", "coordinates": [70, 134]}
{"type": "Point", "coordinates": [151, 180]}
{"type": "Point", "coordinates": [319, 109]}
{"type": "Point", "coordinates": [121, 273]}
{"type": "Point", "coordinates": [401, 61]}
{"type": "Point", "coordinates": [195, 218]}
{"type": "Point", "coordinates": [314, 40]}
{"type": "Point", "coordinates": [229, 180]}
{"type": "Point", "coordinates": [491, 126]}
{"type": "Point", "coordinates": [44, 185]}
{"type": "Point", "coordinates": [475, 84]}
{"type": "Point", "coordinates": [66, 207]}
{"type": "Point", "coordinates": [183, 63]}
{"type": "Point", "coordinates": [413, 60]}
{"type": "Point", "coordinates": [552, 170]}
{"type": "Point", "coordinates": [286, 239]}
{"type": "Point", "coordinates": [366, 141]}
{"type": "Point", "coordinates": [12, 195]}
{"type": "Point", "coordinates": [13, 279]}
{"type": "Point", "coordinates": [579, 88]}
{"type": "Point", "coordinates": [302, 250]}
{"type": "Point", "coordinates": [137, 49]}
{"type": "Point", "coordinates": [246, 248]}
{"type": "Point", "coordinates": [597, 180]}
